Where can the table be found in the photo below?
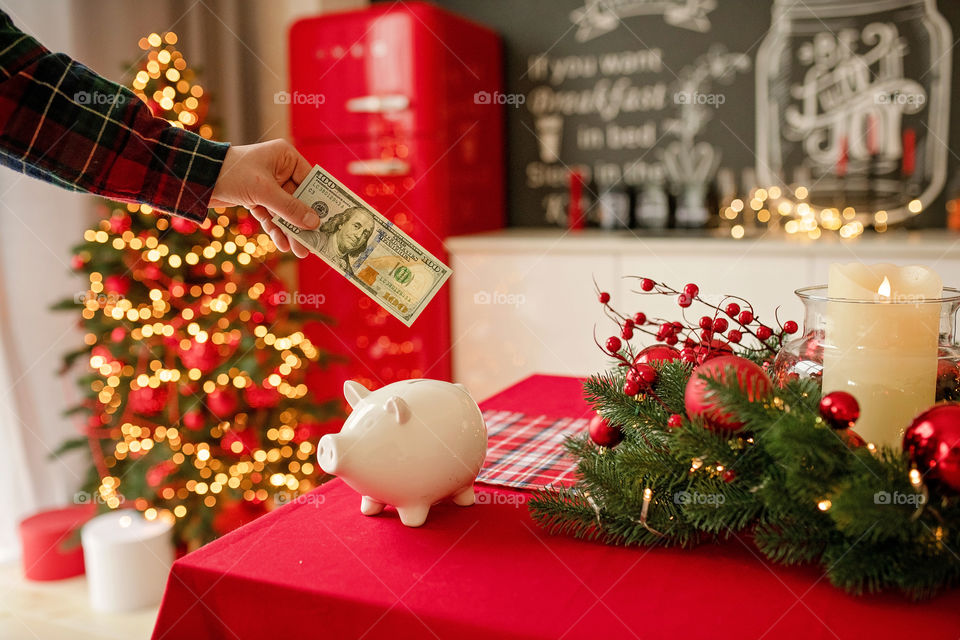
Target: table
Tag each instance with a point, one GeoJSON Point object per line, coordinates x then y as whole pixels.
{"type": "Point", "coordinates": [318, 568]}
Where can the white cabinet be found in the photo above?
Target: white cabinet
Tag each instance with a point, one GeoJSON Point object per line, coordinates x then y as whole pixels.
{"type": "Point", "coordinates": [524, 299]}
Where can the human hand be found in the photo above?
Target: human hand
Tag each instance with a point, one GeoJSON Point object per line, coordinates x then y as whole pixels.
{"type": "Point", "coordinates": [262, 177]}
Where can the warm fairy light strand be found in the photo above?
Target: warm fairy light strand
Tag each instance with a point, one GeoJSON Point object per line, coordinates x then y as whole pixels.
{"type": "Point", "coordinates": [772, 209]}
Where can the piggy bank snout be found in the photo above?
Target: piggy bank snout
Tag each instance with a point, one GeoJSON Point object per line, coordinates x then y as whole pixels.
{"type": "Point", "coordinates": [327, 454]}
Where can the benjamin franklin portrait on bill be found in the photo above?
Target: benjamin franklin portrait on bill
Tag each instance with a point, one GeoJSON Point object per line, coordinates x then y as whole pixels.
{"type": "Point", "coordinates": [343, 237]}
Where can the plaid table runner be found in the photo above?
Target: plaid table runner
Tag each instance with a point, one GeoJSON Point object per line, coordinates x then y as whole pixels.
{"type": "Point", "coordinates": [526, 452]}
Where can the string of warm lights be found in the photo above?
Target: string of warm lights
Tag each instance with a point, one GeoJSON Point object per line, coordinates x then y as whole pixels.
{"type": "Point", "coordinates": [773, 209]}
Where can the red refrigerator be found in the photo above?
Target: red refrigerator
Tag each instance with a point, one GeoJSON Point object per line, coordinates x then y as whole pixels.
{"type": "Point", "coordinates": [399, 102]}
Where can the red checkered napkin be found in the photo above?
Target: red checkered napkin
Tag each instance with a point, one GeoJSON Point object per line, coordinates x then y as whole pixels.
{"type": "Point", "coordinates": [526, 452]}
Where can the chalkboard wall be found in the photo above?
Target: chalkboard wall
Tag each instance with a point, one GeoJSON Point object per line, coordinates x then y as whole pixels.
{"type": "Point", "coordinates": [614, 76]}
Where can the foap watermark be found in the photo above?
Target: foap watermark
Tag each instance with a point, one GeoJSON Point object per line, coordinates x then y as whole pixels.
{"type": "Point", "coordinates": [695, 497]}
{"type": "Point", "coordinates": [301, 299]}
{"type": "Point", "coordinates": [299, 97]}
{"type": "Point", "coordinates": [914, 99]}
{"type": "Point", "coordinates": [512, 499]}
{"type": "Point", "coordinates": [695, 97]}
{"type": "Point", "coordinates": [899, 498]}
{"type": "Point", "coordinates": [310, 499]}
{"type": "Point", "coordinates": [512, 99]}
{"type": "Point", "coordinates": [101, 299]}
{"type": "Point", "coordinates": [85, 497]}
{"type": "Point", "coordinates": [499, 297]}
{"type": "Point", "coordinates": [97, 98]}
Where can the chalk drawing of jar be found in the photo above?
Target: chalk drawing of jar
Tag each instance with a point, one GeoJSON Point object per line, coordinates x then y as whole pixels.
{"type": "Point", "coordinates": [854, 95]}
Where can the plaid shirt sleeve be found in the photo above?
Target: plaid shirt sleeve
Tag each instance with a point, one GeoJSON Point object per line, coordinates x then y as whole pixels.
{"type": "Point", "coordinates": [63, 123]}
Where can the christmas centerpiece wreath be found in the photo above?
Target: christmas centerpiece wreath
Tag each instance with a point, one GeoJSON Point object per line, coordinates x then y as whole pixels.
{"type": "Point", "coordinates": [707, 435]}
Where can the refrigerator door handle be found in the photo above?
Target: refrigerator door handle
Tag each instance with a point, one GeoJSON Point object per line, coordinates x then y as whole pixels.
{"type": "Point", "coordinates": [378, 167]}
{"type": "Point", "coordinates": [378, 104]}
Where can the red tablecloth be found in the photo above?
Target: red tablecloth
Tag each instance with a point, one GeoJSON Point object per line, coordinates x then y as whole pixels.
{"type": "Point", "coordinates": [318, 568]}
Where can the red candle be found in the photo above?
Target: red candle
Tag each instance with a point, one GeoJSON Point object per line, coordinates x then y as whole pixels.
{"type": "Point", "coordinates": [842, 161]}
{"type": "Point", "coordinates": [909, 162]}
{"type": "Point", "coordinates": [575, 220]}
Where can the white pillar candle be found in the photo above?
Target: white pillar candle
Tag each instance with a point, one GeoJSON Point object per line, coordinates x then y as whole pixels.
{"type": "Point", "coordinates": [885, 354]}
{"type": "Point", "coordinates": [127, 559]}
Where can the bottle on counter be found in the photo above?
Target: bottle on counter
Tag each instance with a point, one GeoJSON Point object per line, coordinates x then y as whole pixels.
{"type": "Point", "coordinates": [652, 208]}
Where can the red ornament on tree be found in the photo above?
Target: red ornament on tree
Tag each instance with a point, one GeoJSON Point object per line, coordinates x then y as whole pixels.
{"type": "Point", "coordinates": [147, 400]}
{"type": "Point", "coordinates": [182, 225]}
{"type": "Point", "coordinates": [77, 262]}
{"type": "Point", "coordinates": [116, 284]}
{"type": "Point", "coordinates": [750, 378]}
{"type": "Point", "coordinates": [240, 443]}
{"type": "Point", "coordinates": [194, 419]}
{"type": "Point", "coordinates": [932, 441]}
{"type": "Point", "coordinates": [204, 356]}
{"type": "Point", "coordinates": [222, 402]}
{"type": "Point", "coordinates": [247, 226]}
{"type": "Point", "coordinates": [261, 397]}
{"type": "Point", "coordinates": [119, 223]}
{"type": "Point", "coordinates": [656, 353]}
{"type": "Point", "coordinates": [839, 409]}
{"type": "Point", "coordinates": [603, 433]}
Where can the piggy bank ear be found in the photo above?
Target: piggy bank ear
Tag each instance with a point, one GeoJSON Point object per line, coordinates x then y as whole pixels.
{"type": "Point", "coordinates": [399, 409]}
{"type": "Point", "coordinates": [354, 392]}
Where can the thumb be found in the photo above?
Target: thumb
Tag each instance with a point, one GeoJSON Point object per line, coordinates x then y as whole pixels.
{"type": "Point", "coordinates": [282, 204]}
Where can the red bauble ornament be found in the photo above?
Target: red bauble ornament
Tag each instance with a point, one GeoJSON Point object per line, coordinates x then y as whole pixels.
{"type": "Point", "coordinates": [933, 443]}
{"type": "Point", "coordinates": [261, 397]}
{"type": "Point", "coordinates": [194, 419]}
{"type": "Point", "coordinates": [750, 377]}
{"type": "Point", "coordinates": [118, 334]}
{"type": "Point", "coordinates": [675, 421]}
{"type": "Point", "coordinates": [222, 402]}
{"type": "Point", "coordinates": [712, 348]}
{"type": "Point", "coordinates": [656, 353]}
{"type": "Point", "coordinates": [77, 262]}
{"type": "Point", "coordinates": [631, 387]}
{"type": "Point", "coordinates": [604, 433]}
{"type": "Point", "coordinates": [852, 439]}
{"type": "Point", "coordinates": [157, 474]}
{"type": "Point", "coordinates": [151, 272]}
{"type": "Point", "coordinates": [247, 226]}
{"type": "Point", "coordinates": [182, 225]}
{"type": "Point", "coordinates": [147, 400]}
{"type": "Point", "coordinates": [729, 475]}
{"type": "Point", "coordinates": [204, 356]}
{"type": "Point", "coordinates": [119, 224]}
{"type": "Point", "coordinates": [839, 409]}
{"type": "Point", "coordinates": [116, 284]}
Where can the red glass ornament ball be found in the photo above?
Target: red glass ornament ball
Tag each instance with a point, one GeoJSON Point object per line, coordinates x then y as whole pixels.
{"type": "Point", "coordinates": [839, 409]}
{"type": "Point", "coordinates": [631, 387]}
{"type": "Point", "coordinates": [117, 284]}
{"type": "Point", "coordinates": [656, 353]}
{"type": "Point", "coordinates": [729, 475]}
{"type": "Point", "coordinates": [193, 419]}
{"type": "Point", "coordinates": [750, 377]}
{"type": "Point", "coordinates": [603, 433]}
{"type": "Point", "coordinates": [77, 262]}
{"type": "Point", "coordinates": [932, 441]}
{"type": "Point", "coordinates": [675, 421]}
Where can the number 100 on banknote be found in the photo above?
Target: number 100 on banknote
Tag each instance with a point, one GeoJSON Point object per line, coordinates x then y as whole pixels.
{"type": "Point", "coordinates": [366, 248]}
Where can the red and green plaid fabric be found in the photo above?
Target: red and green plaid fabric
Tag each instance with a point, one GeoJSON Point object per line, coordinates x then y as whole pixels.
{"type": "Point", "coordinates": [63, 123]}
{"type": "Point", "coordinates": [526, 452]}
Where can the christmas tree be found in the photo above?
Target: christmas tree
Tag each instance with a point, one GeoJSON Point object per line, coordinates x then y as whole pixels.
{"type": "Point", "coordinates": [195, 397]}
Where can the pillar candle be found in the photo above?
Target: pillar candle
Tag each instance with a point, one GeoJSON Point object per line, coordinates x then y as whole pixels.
{"type": "Point", "coordinates": [884, 353]}
{"type": "Point", "coordinates": [127, 559]}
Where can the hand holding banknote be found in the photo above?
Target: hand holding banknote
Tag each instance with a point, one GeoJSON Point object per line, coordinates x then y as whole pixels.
{"type": "Point", "coordinates": [365, 247]}
{"type": "Point", "coordinates": [262, 178]}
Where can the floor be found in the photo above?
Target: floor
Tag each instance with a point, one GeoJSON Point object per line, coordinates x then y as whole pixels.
{"type": "Point", "coordinates": [60, 610]}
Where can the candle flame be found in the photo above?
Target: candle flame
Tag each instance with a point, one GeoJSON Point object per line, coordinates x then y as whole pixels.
{"type": "Point", "coordinates": [884, 289]}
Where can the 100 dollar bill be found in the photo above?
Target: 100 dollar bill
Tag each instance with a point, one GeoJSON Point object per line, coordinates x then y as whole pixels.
{"type": "Point", "coordinates": [369, 250]}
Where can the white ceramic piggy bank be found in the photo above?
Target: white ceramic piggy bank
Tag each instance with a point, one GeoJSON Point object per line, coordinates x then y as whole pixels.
{"type": "Point", "coordinates": [408, 444]}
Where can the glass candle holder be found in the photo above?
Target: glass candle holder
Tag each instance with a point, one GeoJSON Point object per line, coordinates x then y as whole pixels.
{"type": "Point", "coordinates": [896, 356]}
